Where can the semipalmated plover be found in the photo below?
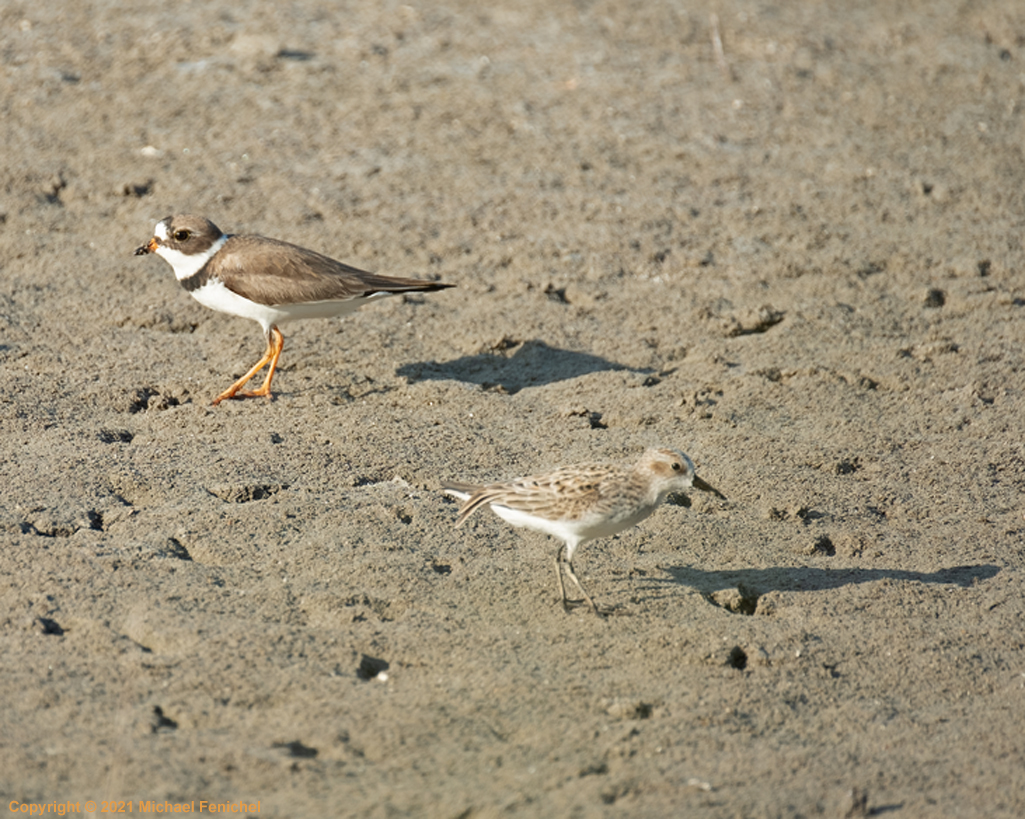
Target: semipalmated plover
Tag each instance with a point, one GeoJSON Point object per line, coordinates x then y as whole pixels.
{"type": "Point", "coordinates": [583, 502]}
{"type": "Point", "coordinates": [266, 280]}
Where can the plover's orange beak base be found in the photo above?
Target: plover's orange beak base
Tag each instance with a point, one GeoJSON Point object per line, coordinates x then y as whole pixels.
{"type": "Point", "coordinates": [149, 247]}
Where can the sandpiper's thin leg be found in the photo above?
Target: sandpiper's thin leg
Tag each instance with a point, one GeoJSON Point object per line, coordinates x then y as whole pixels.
{"type": "Point", "coordinates": [573, 577]}
{"type": "Point", "coordinates": [558, 575]}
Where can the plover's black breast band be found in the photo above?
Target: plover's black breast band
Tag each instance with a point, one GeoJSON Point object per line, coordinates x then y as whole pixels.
{"type": "Point", "coordinates": [197, 279]}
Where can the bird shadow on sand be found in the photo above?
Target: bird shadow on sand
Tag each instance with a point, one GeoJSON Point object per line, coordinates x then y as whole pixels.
{"type": "Point", "coordinates": [755, 582]}
{"type": "Point", "coordinates": [511, 365]}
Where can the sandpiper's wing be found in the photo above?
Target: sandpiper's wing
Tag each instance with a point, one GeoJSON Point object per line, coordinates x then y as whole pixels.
{"type": "Point", "coordinates": [460, 490]}
{"type": "Point", "coordinates": [563, 494]}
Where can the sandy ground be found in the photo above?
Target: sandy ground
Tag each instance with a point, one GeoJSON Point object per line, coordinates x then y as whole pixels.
{"type": "Point", "coordinates": [798, 258]}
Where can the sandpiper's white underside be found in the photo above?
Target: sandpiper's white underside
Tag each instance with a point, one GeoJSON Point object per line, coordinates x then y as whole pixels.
{"type": "Point", "coordinates": [571, 532]}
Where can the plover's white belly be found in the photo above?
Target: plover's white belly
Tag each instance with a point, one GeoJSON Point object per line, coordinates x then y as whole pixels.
{"type": "Point", "coordinates": [216, 296]}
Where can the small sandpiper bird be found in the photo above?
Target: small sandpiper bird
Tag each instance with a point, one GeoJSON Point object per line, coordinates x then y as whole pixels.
{"type": "Point", "coordinates": [580, 503]}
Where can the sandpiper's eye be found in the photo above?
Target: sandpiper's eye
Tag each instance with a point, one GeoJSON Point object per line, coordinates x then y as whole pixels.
{"type": "Point", "coordinates": [181, 235]}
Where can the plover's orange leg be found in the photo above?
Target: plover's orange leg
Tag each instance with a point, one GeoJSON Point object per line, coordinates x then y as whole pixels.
{"type": "Point", "coordinates": [275, 344]}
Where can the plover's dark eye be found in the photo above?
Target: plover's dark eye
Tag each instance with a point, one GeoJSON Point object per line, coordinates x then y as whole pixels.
{"type": "Point", "coordinates": [677, 466]}
{"type": "Point", "coordinates": [181, 235]}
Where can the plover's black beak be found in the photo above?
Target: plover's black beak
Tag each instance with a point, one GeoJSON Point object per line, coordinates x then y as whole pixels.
{"type": "Point", "coordinates": [149, 247]}
{"type": "Point", "coordinates": [697, 483]}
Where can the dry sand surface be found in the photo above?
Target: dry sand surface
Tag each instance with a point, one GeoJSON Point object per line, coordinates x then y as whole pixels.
{"type": "Point", "coordinates": [797, 257]}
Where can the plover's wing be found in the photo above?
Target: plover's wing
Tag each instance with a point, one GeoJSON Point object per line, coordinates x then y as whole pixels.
{"type": "Point", "coordinates": [290, 274]}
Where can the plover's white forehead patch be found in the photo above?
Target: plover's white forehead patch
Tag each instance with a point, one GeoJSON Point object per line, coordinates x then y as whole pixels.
{"type": "Point", "coordinates": [160, 231]}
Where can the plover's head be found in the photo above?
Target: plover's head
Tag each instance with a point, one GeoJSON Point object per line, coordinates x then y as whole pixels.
{"type": "Point", "coordinates": [186, 242]}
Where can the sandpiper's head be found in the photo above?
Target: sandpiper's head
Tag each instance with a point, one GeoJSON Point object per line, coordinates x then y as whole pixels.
{"type": "Point", "coordinates": [673, 471]}
{"type": "Point", "coordinates": [184, 241]}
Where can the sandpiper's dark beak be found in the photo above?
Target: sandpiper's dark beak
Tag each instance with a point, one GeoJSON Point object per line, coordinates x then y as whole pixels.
{"type": "Point", "coordinates": [149, 247]}
{"type": "Point", "coordinates": [697, 483]}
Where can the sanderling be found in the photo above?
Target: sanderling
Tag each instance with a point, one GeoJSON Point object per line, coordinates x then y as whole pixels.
{"type": "Point", "coordinates": [583, 502]}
